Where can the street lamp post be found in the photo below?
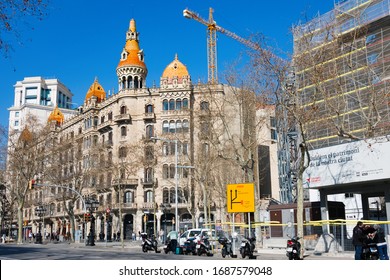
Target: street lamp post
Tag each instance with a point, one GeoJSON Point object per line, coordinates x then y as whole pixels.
{"type": "Point", "coordinates": [40, 212]}
{"type": "Point", "coordinates": [91, 204]}
{"type": "Point", "coordinates": [176, 179]}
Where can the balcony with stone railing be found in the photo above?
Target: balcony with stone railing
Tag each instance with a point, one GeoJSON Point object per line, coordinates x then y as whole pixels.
{"type": "Point", "coordinates": [125, 182]}
{"type": "Point", "coordinates": [122, 118]}
{"type": "Point", "coordinates": [105, 127]}
{"type": "Point", "coordinates": [150, 116]}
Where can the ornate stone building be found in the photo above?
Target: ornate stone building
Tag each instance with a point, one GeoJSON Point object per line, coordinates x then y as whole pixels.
{"type": "Point", "coordinates": [125, 149]}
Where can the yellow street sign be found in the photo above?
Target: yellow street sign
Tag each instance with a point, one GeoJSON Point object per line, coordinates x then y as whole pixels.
{"type": "Point", "coordinates": [240, 198]}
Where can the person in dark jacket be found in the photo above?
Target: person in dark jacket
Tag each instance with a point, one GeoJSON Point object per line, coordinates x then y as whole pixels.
{"type": "Point", "coordinates": [381, 243]}
{"type": "Point", "coordinates": [358, 238]}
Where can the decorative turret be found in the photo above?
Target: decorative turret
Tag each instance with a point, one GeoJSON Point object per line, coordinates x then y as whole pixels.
{"type": "Point", "coordinates": [175, 74]}
{"type": "Point", "coordinates": [97, 91]}
{"type": "Point", "coordinates": [56, 116]}
{"type": "Point", "coordinates": [131, 70]}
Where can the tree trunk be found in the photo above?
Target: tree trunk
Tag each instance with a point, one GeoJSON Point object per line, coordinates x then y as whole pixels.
{"type": "Point", "coordinates": [20, 223]}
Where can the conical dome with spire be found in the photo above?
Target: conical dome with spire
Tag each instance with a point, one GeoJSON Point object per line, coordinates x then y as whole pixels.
{"type": "Point", "coordinates": [132, 55]}
{"type": "Point", "coordinates": [56, 116]}
{"type": "Point", "coordinates": [131, 69]}
{"type": "Point", "coordinates": [96, 90]}
{"type": "Point", "coordinates": [175, 69]}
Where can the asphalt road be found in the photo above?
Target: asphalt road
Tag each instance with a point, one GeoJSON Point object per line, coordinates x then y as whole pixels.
{"type": "Point", "coordinates": [113, 251]}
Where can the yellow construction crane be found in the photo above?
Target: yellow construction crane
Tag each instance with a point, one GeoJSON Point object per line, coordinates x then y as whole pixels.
{"type": "Point", "coordinates": [212, 29]}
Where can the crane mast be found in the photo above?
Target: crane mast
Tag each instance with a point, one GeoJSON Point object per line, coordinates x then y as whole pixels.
{"type": "Point", "coordinates": [212, 29]}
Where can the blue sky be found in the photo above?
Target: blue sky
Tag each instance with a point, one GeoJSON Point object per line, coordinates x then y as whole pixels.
{"type": "Point", "coordinates": [82, 39]}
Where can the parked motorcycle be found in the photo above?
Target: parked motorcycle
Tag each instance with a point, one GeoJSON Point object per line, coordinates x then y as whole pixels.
{"type": "Point", "coordinates": [370, 252]}
{"type": "Point", "coordinates": [170, 245]}
{"type": "Point", "coordinates": [148, 244]}
{"type": "Point", "coordinates": [247, 247]}
{"type": "Point", "coordinates": [293, 249]}
{"type": "Point", "coordinates": [227, 247]}
{"type": "Point", "coordinates": [203, 246]}
{"type": "Point", "coordinates": [189, 246]}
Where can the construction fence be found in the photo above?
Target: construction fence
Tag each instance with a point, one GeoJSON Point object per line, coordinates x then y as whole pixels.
{"type": "Point", "coordinates": [275, 234]}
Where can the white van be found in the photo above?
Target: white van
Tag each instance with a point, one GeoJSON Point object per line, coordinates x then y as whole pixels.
{"type": "Point", "coordinates": [195, 231]}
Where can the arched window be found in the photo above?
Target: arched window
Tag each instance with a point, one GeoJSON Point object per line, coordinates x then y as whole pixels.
{"type": "Point", "coordinates": [165, 195]}
{"type": "Point", "coordinates": [149, 153]}
{"type": "Point", "coordinates": [149, 131]}
{"type": "Point", "coordinates": [148, 175]}
{"type": "Point", "coordinates": [172, 127]}
{"type": "Point", "coordinates": [185, 171]}
{"type": "Point", "coordinates": [129, 197]}
{"type": "Point", "coordinates": [172, 171]}
{"type": "Point", "coordinates": [171, 104]}
{"type": "Point", "coordinates": [185, 103]}
{"type": "Point", "coordinates": [204, 106]}
{"type": "Point", "coordinates": [165, 127]}
{"type": "Point", "coordinates": [148, 196]}
{"type": "Point", "coordinates": [172, 197]}
{"type": "Point", "coordinates": [165, 149]}
{"type": "Point", "coordinates": [130, 82]}
{"type": "Point", "coordinates": [165, 105]}
{"type": "Point", "coordinates": [123, 131]}
{"type": "Point", "coordinates": [204, 128]}
{"type": "Point", "coordinates": [123, 110]}
{"type": "Point", "coordinates": [123, 83]}
{"type": "Point", "coordinates": [149, 108]}
{"type": "Point", "coordinates": [185, 148]}
{"type": "Point", "coordinates": [109, 179]}
{"type": "Point", "coordinates": [178, 104]}
{"type": "Point", "coordinates": [122, 173]}
{"type": "Point", "coordinates": [178, 127]}
{"type": "Point", "coordinates": [186, 127]}
{"type": "Point", "coordinates": [165, 171]}
{"type": "Point", "coordinates": [101, 180]}
{"type": "Point", "coordinates": [122, 152]}
{"type": "Point", "coordinates": [109, 157]}
{"type": "Point", "coordinates": [172, 148]}
{"type": "Point", "coordinates": [179, 147]}
{"type": "Point", "coordinates": [180, 198]}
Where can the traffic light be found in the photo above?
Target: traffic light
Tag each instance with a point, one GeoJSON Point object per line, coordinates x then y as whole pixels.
{"type": "Point", "coordinates": [107, 216]}
{"type": "Point", "coordinates": [31, 184]}
{"type": "Point", "coordinates": [87, 217]}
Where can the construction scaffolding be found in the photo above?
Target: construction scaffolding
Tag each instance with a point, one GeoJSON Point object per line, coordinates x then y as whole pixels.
{"type": "Point", "coordinates": [342, 72]}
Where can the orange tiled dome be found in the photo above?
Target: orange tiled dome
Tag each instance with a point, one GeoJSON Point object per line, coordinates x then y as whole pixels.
{"type": "Point", "coordinates": [175, 68]}
{"type": "Point", "coordinates": [56, 116]}
{"type": "Point", "coordinates": [132, 49]}
{"type": "Point", "coordinates": [96, 90]}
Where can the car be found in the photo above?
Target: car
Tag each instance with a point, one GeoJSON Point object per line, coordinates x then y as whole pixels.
{"type": "Point", "coordinates": [196, 232]}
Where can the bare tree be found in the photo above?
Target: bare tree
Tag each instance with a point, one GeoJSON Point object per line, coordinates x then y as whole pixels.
{"type": "Point", "coordinates": [229, 128]}
{"type": "Point", "coordinates": [71, 163]}
{"type": "Point", "coordinates": [125, 168]}
{"type": "Point", "coordinates": [12, 14]}
{"type": "Point", "coordinates": [332, 90]}
{"type": "Point", "coordinates": [23, 164]}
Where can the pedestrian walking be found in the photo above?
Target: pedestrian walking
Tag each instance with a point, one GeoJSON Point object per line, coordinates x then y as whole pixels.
{"type": "Point", "coordinates": [358, 238]}
{"type": "Point", "coordinates": [381, 244]}
{"type": "Point", "coordinates": [173, 236]}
